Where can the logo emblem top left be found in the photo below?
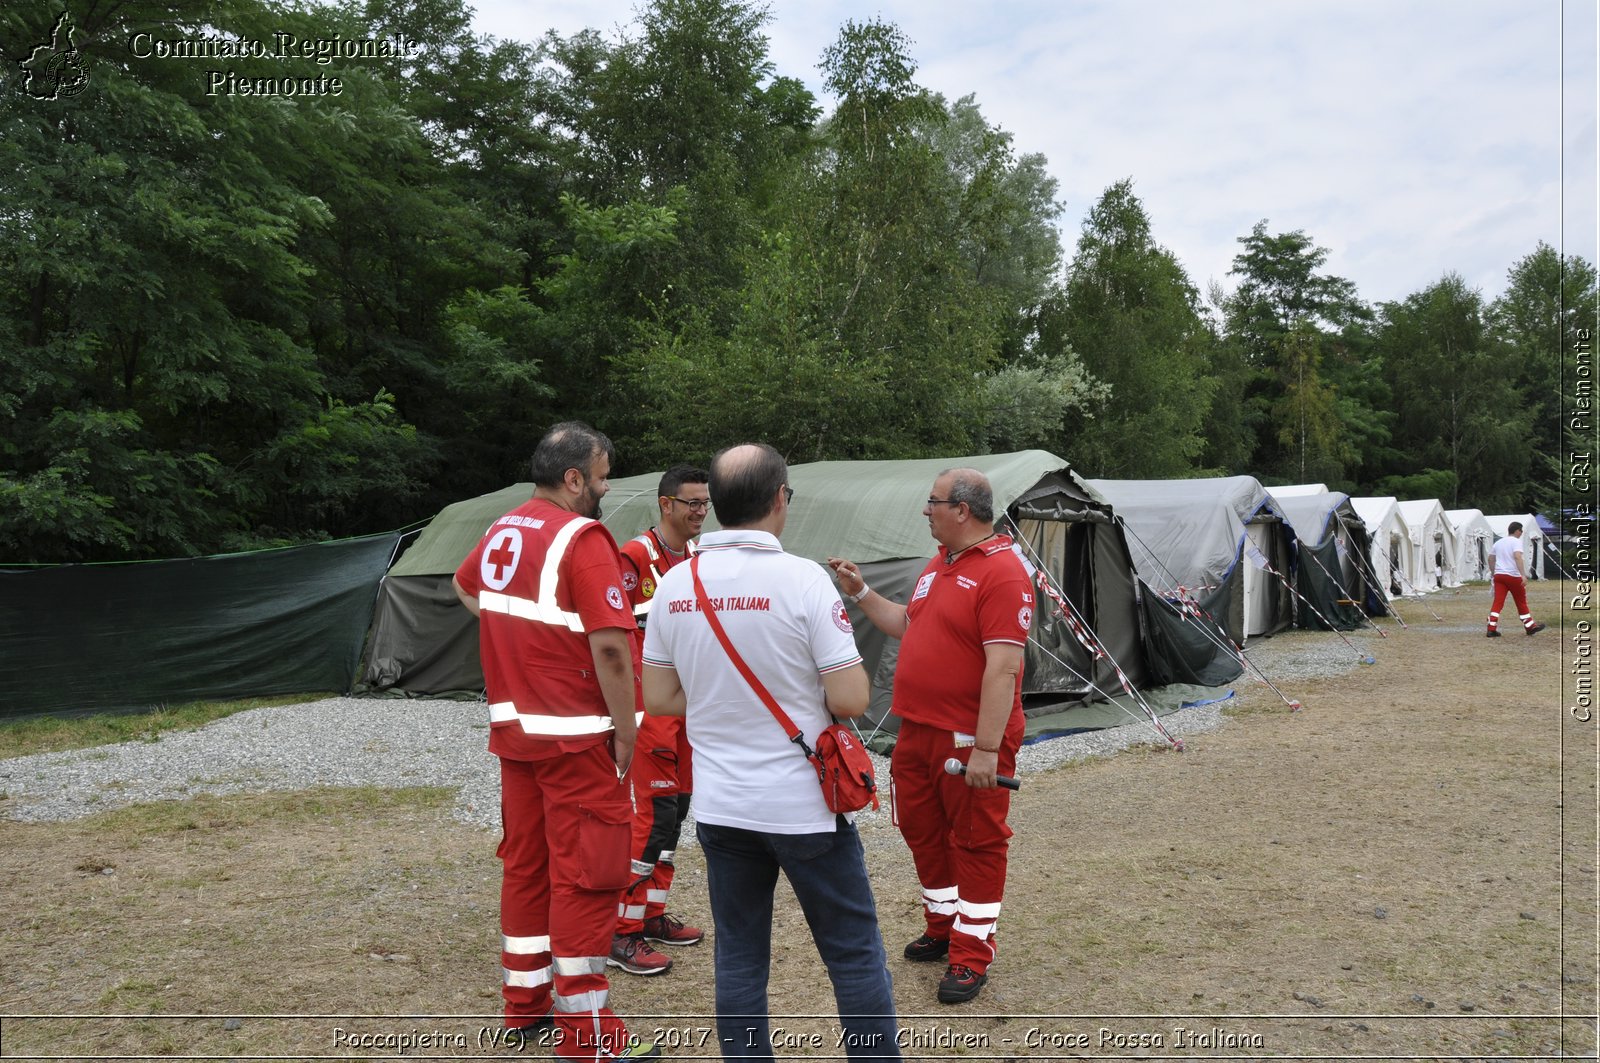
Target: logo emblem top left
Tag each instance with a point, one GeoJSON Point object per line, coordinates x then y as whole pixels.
{"type": "Point", "coordinates": [500, 558]}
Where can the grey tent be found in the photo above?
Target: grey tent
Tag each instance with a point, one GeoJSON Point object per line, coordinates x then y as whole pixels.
{"type": "Point", "coordinates": [1205, 540]}
{"type": "Point", "coordinates": [1330, 565]}
{"type": "Point", "coordinates": [870, 512]}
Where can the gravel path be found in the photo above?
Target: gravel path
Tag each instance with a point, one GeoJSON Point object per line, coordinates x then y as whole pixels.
{"type": "Point", "coordinates": [398, 743]}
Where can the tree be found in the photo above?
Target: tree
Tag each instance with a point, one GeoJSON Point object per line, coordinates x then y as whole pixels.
{"type": "Point", "coordinates": [1133, 317]}
{"type": "Point", "coordinates": [165, 394]}
{"type": "Point", "coordinates": [1535, 325]}
{"type": "Point", "coordinates": [1283, 293]}
{"type": "Point", "coordinates": [859, 332]}
{"type": "Point", "coordinates": [671, 142]}
{"type": "Point", "coordinates": [898, 274]}
{"type": "Point", "coordinates": [1308, 413]}
{"type": "Point", "coordinates": [1457, 408]}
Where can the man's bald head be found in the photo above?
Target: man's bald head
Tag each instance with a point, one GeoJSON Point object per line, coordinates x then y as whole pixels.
{"type": "Point", "coordinates": [744, 483]}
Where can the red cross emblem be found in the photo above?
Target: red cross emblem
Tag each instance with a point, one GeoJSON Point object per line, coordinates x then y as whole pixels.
{"type": "Point", "coordinates": [500, 558]}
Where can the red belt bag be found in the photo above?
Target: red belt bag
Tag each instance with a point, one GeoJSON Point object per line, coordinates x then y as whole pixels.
{"type": "Point", "coordinates": [843, 767]}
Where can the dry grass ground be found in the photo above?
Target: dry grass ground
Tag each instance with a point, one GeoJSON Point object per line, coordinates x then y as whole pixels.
{"type": "Point", "coordinates": [1404, 868]}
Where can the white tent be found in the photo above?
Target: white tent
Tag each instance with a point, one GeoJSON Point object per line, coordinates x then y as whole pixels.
{"type": "Point", "coordinates": [1434, 543]}
{"type": "Point", "coordinates": [1390, 540]}
{"type": "Point", "coordinates": [1474, 537]}
{"type": "Point", "coordinates": [1532, 539]}
{"type": "Point", "coordinates": [1297, 490]}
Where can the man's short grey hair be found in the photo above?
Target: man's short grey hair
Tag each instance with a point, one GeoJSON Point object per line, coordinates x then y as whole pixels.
{"type": "Point", "coordinates": [972, 487]}
{"type": "Point", "coordinates": [568, 445]}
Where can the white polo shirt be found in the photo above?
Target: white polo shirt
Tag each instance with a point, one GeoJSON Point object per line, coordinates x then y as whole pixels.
{"type": "Point", "coordinates": [785, 618]}
{"type": "Point", "coordinates": [1505, 553]}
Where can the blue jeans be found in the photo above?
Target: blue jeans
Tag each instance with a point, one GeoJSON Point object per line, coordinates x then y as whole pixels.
{"type": "Point", "coordinates": [828, 873]}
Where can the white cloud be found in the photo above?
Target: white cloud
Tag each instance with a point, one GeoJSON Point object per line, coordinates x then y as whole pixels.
{"type": "Point", "coordinates": [1409, 139]}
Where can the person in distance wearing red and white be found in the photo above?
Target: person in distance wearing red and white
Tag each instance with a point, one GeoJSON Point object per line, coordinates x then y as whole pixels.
{"type": "Point", "coordinates": [1508, 569]}
{"type": "Point", "coordinates": [662, 769]}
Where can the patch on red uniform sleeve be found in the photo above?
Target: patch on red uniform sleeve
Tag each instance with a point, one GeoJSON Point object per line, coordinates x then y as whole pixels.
{"type": "Point", "coordinates": [629, 581]}
{"type": "Point", "coordinates": [1025, 618]}
{"type": "Point", "coordinates": [649, 587]}
{"type": "Point", "coordinates": [841, 619]}
{"type": "Point", "coordinates": [614, 597]}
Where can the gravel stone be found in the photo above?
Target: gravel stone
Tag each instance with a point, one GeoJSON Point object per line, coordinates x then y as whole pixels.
{"type": "Point", "coordinates": [394, 743]}
{"type": "Point", "coordinates": [380, 742]}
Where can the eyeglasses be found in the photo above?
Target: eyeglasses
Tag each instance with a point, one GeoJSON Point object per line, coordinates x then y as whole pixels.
{"type": "Point", "coordinates": [943, 502]}
{"type": "Point", "coordinates": [788, 494]}
{"type": "Point", "coordinates": [693, 503]}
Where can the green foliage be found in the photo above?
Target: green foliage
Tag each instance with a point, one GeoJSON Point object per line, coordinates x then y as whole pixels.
{"type": "Point", "coordinates": [1308, 413]}
{"type": "Point", "coordinates": [1429, 483]}
{"type": "Point", "coordinates": [1456, 402]}
{"type": "Point", "coordinates": [1283, 322]}
{"type": "Point", "coordinates": [1533, 328]}
{"type": "Point", "coordinates": [233, 321]}
{"type": "Point", "coordinates": [1028, 404]}
{"type": "Point", "coordinates": [899, 265]}
{"type": "Point", "coordinates": [1133, 317]}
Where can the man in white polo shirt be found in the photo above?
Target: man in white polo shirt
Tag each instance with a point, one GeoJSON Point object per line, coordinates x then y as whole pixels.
{"type": "Point", "coordinates": [758, 807]}
{"type": "Point", "coordinates": [1508, 567]}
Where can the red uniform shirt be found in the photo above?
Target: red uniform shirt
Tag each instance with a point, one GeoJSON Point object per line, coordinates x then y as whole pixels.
{"type": "Point", "coordinates": [954, 611]}
{"type": "Point", "coordinates": [640, 571]}
{"type": "Point", "coordinates": [543, 669]}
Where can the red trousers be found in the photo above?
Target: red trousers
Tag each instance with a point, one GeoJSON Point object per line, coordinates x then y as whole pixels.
{"type": "Point", "coordinates": [958, 837]}
{"type": "Point", "coordinates": [1513, 585]}
{"type": "Point", "coordinates": [564, 857]}
{"type": "Point", "coordinates": [663, 779]}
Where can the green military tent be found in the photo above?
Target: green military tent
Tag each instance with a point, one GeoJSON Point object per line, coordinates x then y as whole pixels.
{"type": "Point", "coordinates": [871, 512]}
{"type": "Point", "coordinates": [422, 640]}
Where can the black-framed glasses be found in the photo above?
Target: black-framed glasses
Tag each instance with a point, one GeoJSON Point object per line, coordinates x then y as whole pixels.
{"type": "Point", "coordinates": [788, 494]}
{"type": "Point", "coordinates": [701, 504]}
{"type": "Point", "coordinates": [943, 502]}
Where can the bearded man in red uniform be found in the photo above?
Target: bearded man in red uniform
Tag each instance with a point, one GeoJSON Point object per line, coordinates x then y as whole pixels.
{"type": "Point", "coordinates": [662, 771]}
{"type": "Point", "coordinates": [556, 637]}
{"type": "Point", "coordinates": [958, 693]}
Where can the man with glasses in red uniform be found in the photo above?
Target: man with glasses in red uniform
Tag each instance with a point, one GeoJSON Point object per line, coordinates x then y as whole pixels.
{"type": "Point", "coordinates": [662, 772]}
{"type": "Point", "coordinates": [958, 693]}
{"type": "Point", "coordinates": [556, 637]}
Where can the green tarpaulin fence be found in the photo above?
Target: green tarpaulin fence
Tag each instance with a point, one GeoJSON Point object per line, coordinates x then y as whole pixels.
{"type": "Point", "coordinates": [148, 633]}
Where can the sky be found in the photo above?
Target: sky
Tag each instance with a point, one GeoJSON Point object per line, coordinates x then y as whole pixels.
{"type": "Point", "coordinates": [1410, 138]}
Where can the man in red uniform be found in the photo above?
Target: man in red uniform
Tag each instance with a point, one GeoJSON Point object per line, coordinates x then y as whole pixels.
{"type": "Point", "coordinates": [556, 639]}
{"type": "Point", "coordinates": [958, 693]}
{"type": "Point", "coordinates": [1508, 569]}
{"type": "Point", "coordinates": [662, 774]}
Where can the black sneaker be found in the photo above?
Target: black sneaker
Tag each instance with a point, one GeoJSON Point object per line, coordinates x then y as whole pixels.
{"type": "Point", "coordinates": [960, 984]}
{"type": "Point", "coordinates": [1491, 635]}
{"type": "Point", "coordinates": [1536, 627]}
{"type": "Point", "coordinates": [926, 948]}
{"type": "Point", "coordinates": [536, 1032]}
